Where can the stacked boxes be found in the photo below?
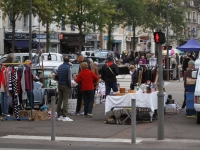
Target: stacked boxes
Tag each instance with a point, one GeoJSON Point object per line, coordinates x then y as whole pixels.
{"type": "Point", "coordinates": [190, 111]}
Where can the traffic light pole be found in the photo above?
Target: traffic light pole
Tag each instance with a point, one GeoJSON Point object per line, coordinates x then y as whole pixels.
{"type": "Point", "coordinates": [160, 92]}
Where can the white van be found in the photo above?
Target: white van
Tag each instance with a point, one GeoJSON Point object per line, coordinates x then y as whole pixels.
{"type": "Point", "coordinates": [19, 57]}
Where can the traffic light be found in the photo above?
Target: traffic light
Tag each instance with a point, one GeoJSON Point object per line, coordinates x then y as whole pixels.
{"type": "Point", "coordinates": [159, 37]}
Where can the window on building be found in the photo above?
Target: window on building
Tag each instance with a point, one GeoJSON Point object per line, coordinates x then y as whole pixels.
{"type": "Point", "coordinates": [116, 29]}
{"type": "Point", "coordinates": [198, 18]}
{"type": "Point", "coordinates": [9, 23]}
{"type": "Point", "coordinates": [194, 16]}
{"type": "Point", "coordinates": [25, 21]}
{"type": "Point", "coordinates": [189, 31]}
{"type": "Point", "coordinates": [63, 23]}
{"type": "Point", "coordinates": [191, 3]}
{"type": "Point", "coordinates": [73, 27]}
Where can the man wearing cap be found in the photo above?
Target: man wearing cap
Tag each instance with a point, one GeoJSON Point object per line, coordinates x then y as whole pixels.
{"type": "Point", "coordinates": [108, 74]}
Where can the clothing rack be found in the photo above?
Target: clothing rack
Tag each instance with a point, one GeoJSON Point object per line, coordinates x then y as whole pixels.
{"type": "Point", "coordinates": [22, 63]}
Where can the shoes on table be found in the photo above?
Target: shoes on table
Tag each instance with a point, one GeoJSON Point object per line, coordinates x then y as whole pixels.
{"type": "Point", "coordinates": [67, 119]}
{"type": "Point", "coordinates": [60, 118]}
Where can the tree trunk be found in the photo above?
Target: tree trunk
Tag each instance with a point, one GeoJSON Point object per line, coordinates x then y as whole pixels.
{"type": "Point", "coordinates": [13, 35]}
{"type": "Point", "coordinates": [80, 40]}
{"type": "Point", "coordinates": [47, 37]}
{"type": "Point", "coordinates": [109, 43]}
{"type": "Point", "coordinates": [133, 42]}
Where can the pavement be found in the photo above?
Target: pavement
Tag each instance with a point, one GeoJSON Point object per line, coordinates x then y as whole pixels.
{"type": "Point", "coordinates": [181, 132]}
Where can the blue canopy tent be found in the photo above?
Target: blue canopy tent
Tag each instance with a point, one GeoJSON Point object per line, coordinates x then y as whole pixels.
{"type": "Point", "coordinates": [191, 45]}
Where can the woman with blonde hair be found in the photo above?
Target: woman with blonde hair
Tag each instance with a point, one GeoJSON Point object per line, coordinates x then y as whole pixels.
{"type": "Point", "coordinates": [87, 78]}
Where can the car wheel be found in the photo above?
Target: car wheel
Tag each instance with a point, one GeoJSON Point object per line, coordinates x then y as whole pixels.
{"type": "Point", "coordinates": [198, 117]}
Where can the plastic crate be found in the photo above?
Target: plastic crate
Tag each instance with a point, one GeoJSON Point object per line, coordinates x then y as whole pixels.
{"type": "Point", "coordinates": [189, 96]}
{"type": "Point", "coordinates": [190, 104]}
{"type": "Point", "coordinates": [190, 88]}
{"type": "Point", "coordinates": [190, 112]}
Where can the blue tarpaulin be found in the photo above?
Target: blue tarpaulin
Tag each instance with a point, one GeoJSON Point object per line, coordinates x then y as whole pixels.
{"type": "Point", "coordinates": [191, 45]}
{"type": "Point", "coordinates": [20, 43]}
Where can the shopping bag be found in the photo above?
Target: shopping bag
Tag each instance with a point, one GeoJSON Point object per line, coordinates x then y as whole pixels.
{"type": "Point", "coordinates": [72, 105]}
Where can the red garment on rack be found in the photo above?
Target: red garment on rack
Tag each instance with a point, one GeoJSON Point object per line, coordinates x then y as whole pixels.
{"type": "Point", "coordinates": [2, 80]}
{"type": "Point", "coordinates": [28, 79]}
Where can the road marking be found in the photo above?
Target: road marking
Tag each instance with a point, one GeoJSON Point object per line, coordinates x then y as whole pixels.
{"type": "Point", "coordinates": [111, 140]}
{"type": "Point", "coordinates": [77, 139]}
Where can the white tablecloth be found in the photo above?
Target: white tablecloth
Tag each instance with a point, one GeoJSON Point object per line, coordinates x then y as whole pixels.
{"type": "Point", "coordinates": [149, 100]}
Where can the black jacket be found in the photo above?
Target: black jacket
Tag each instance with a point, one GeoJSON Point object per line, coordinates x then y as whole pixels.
{"type": "Point", "coordinates": [107, 75]}
{"type": "Point", "coordinates": [88, 62]}
{"type": "Point", "coordinates": [134, 77]}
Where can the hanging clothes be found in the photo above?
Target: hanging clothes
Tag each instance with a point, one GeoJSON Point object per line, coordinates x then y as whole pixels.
{"type": "Point", "coordinates": [23, 86]}
{"type": "Point", "coordinates": [28, 79]}
{"type": "Point", "coordinates": [15, 93]}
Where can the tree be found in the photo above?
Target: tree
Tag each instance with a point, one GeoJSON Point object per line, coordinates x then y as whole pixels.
{"type": "Point", "coordinates": [84, 15]}
{"type": "Point", "coordinates": [112, 17]}
{"type": "Point", "coordinates": [132, 15]}
{"type": "Point", "coordinates": [14, 10]}
{"type": "Point", "coordinates": [49, 11]}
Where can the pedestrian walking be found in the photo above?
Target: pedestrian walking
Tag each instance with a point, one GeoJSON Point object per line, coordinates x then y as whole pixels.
{"type": "Point", "coordinates": [174, 66]}
{"type": "Point", "coordinates": [64, 89]}
{"type": "Point", "coordinates": [87, 78]}
{"type": "Point", "coordinates": [80, 59]}
{"type": "Point", "coordinates": [188, 74]}
{"type": "Point", "coordinates": [108, 74]}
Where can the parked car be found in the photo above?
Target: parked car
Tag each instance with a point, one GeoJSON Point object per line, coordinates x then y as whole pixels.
{"type": "Point", "coordinates": [44, 79]}
{"type": "Point", "coordinates": [104, 53]}
{"type": "Point", "coordinates": [88, 53]}
{"type": "Point", "coordinates": [72, 57]}
{"type": "Point", "coordinates": [19, 57]}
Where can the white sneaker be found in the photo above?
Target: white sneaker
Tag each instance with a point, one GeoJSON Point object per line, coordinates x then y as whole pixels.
{"type": "Point", "coordinates": [181, 109]}
{"type": "Point", "coordinates": [82, 113]}
{"type": "Point", "coordinates": [60, 118]}
{"type": "Point", "coordinates": [67, 119]}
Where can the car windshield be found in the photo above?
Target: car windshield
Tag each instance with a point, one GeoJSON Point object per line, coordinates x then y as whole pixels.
{"type": "Point", "coordinates": [53, 57]}
{"type": "Point", "coordinates": [101, 54]}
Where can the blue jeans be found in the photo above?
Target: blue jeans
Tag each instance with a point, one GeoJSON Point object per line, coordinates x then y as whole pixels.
{"type": "Point", "coordinates": [31, 98]}
{"type": "Point", "coordinates": [4, 103]}
{"type": "Point", "coordinates": [88, 98]}
{"type": "Point", "coordinates": [109, 86]}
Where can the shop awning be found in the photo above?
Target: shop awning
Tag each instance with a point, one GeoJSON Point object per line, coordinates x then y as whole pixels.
{"type": "Point", "coordinates": [76, 44]}
{"type": "Point", "coordinates": [20, 43]}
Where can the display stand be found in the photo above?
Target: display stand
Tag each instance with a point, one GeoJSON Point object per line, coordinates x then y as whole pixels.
{"type": "Point", "coordinates": [13, 118]}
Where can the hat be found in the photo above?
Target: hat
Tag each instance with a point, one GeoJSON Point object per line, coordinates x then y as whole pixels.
{"type": "Point", "coordinates": [109, 59]}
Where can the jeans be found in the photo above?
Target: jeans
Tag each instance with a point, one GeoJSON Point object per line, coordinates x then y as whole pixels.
{"type": "Point", "coordinates": [79, 101]}
{"type": "Point", "coordinates": [174, 72]}
{"type": "Point", "coordinates": [109, 86]}
{"type": "Point", "coordinates": [4, 103]}
{"type": "Point", "coordinates": [64, 94]}
{"type": "Point", "coordinates": [88, 98]}
{"type": "Point", "coordinates": [31, 98]}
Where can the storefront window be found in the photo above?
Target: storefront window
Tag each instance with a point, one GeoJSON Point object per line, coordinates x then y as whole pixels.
{"type": "Point", "coordinates": [53, 48]}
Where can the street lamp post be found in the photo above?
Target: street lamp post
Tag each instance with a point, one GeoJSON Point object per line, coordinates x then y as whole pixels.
{"type": "Point", "coordinates": [167, 66]}
{"type": "Point", "coordinates": [30, 28]}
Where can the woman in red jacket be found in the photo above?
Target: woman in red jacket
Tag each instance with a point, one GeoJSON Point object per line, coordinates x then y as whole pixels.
{"type": "Point", "coordinates": [87, 78]}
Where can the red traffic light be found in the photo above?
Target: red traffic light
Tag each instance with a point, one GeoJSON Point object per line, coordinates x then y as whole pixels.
{"type": "Point", "coordinates": [159, 37]}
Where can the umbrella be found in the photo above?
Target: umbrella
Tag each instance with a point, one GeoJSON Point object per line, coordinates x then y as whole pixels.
{"type": "Point", "coordinates": [174, 51]}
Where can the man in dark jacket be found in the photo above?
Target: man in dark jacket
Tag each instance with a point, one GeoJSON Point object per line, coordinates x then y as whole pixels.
{"type": "Point", "coordinates": [108, 74]}
{"type": "Point", "coordinates": [64, 89]}
{"type": "Point", "coordinates": [80, 59]}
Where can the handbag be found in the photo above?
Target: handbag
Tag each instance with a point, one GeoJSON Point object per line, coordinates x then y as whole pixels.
{"type": "Point", "coordinates": [173, 66]}
{"type": "Point", "coordinates": [111, 71]}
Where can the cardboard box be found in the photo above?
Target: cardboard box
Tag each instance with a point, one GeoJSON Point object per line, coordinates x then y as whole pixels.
{"type": "Point", "coordinates": [24, 113]}
{"type": "Point", "coordinates": [40, 115]}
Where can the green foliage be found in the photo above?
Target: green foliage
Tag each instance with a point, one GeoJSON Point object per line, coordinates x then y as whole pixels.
{"type": "Point", "coordinates": [14, 10]}
{"type": "Point", "coordinates": [84, 15]}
